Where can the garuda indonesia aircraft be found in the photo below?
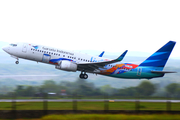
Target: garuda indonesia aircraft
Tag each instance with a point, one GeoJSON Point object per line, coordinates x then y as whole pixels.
{"type": "Point", "coordinates": [65, 60]}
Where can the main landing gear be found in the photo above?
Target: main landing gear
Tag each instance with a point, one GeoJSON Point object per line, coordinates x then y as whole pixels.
{"type": "Point", "coordinates": [83, 75]}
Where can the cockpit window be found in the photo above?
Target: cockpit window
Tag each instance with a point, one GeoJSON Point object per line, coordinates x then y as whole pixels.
{"type": "Point", "coordinates": [13, 45]}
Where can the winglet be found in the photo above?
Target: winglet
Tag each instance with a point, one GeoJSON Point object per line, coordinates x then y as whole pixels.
{"type": "Point", "coordinates": [101, 54]}
{"type": "Point", "coordinates": [120, 58]}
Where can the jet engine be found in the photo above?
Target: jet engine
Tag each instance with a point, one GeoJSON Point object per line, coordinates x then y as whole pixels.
{"type": "Point", "coordinates": [67, 66]}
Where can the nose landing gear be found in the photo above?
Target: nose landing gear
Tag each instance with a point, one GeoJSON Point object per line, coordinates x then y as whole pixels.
{"type": "Point", "coordinates": [83, 75]}
{"type": "Point", "coordinates": [17, 62]}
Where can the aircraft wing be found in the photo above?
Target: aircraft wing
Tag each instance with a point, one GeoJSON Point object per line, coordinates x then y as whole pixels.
{"type": "Point", "coordinates": [94, 66]}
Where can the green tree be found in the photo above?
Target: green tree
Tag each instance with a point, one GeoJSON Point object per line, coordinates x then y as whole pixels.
{"type": "Point", "coordinates": [146, 88]}
{"type": "Point", "coordinates": [29, 91]}
{"type": "Point", "coordinates": [173, 88]}
{"type": "Point", "coordinates": [19, 90]}
{"type": "Point", "coordinates": [5, 89]}
{"type": "Point", "coordinates": [80, 86]}
{"type": "Point", "coordinates": [108, 89]}
{"type": "Point", "coordinates": [178, 92]}
{"type": "Point", "coordinates": [26, 91]}
{"type": "Point", "coordinates": [49, 86]}
{"type": "Point", "coordinates": [84, 90]}
{"type": "Point", "coordinates": [130, 91]}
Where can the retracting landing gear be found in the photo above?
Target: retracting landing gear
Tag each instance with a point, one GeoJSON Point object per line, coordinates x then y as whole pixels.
{"type": "Point", "coordinates": [17, 62]}
{"type": "Point", "coordinates": [83, 75]}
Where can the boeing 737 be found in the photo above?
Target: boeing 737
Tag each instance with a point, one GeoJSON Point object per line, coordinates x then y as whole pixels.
{"type": "Point", "coordinates": [65, 60]}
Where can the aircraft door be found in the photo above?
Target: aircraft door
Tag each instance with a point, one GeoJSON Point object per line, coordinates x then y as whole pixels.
{"type": "Point", "coordinates": [139, 70]}
{"type": "Point", "coordinates": [46, 58]}
{"type": "Point", "coordinates": [24, 49]}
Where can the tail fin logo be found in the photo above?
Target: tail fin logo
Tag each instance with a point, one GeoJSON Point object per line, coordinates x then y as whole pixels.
{"type": "Point", "coordinates": [36, 47]}
{"type": "Point", "coordinates": [160, 57]}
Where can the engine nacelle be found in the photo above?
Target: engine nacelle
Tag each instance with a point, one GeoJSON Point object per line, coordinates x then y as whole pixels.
{"type": "Point", "coordinates": [67, 66]}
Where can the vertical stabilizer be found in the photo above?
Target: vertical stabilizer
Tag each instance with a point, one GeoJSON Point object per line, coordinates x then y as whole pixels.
{"type": "Point", "coordinates": [160, 57]}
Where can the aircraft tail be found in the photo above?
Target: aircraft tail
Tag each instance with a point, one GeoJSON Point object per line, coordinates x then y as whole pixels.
{"type": "Point", "coordinates": [160, 57]}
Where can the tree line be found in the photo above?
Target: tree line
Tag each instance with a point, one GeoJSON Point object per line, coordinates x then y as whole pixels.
{"type": "Point", "coordinates": [83, 88]}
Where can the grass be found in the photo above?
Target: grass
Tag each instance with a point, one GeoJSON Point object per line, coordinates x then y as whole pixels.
{"type": "Point", "coordinates": [112, 117]}
{"type": "Point", "coordinates": [109, 117]}
{"type": "Point", "coordinates": [89, 106]}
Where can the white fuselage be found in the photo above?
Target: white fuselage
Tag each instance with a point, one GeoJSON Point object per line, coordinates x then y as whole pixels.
{"type": "Point", "coordinates": [45, 54]}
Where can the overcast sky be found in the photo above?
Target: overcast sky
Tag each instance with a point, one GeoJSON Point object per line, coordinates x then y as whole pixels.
{"type": "Point", "coordinates": [113, 26]}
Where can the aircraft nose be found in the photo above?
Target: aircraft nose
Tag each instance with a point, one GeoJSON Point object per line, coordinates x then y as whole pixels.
{"type": "Point", "coordinates": [5, 48]}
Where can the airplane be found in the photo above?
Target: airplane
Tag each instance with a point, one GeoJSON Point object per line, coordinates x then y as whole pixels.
{"type": "Point", "coordinates": [71, 61]}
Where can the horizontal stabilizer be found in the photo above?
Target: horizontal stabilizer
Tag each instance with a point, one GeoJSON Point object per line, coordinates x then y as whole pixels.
{"type": "Point", "coordinates": [163, 72]}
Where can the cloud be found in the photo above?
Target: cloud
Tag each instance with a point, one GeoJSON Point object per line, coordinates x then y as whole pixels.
{"type": "Point", "coordinates": [112, 26]}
